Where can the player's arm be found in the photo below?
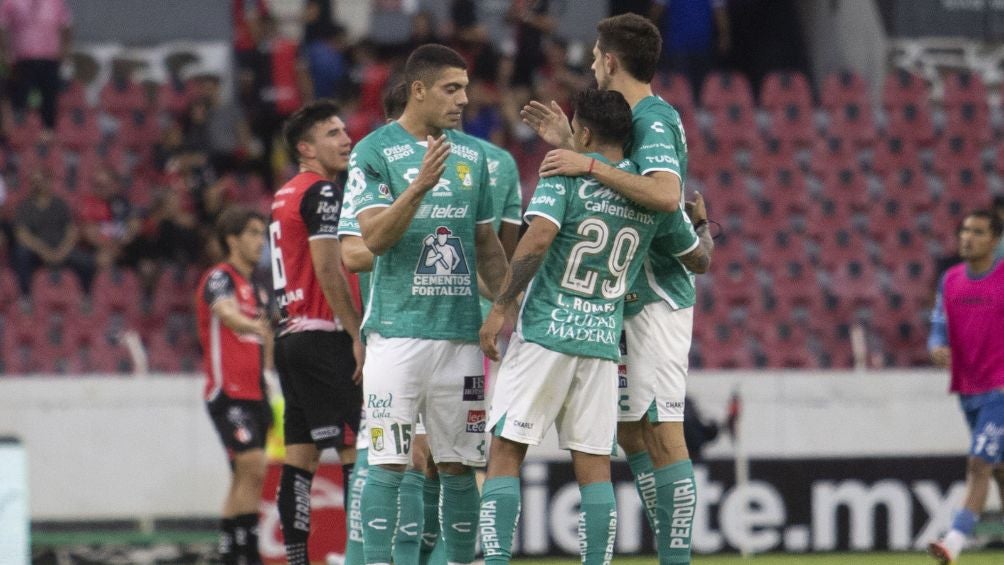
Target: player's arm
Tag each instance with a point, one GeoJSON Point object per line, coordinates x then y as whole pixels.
{"type": "Point", "coordinates": [229, 313]}
{"type": "Point", "coordinates": [526, 260]}
{"type": "Point", "coordinates": [382, 227]}
{"type": "Point", "coordinates": [656, 190]}
{"type": "Point", "coordinates": [509, 237]}
{"type": "Point", "coordinates": [698, 260]}
{"type": "Point", "coordinates": [356, 256]}
{"type": "Point", "coordinates": [492, 264]}
{"type": "Point", "coordinates": [326, 256]}
{"type": "Point", "coordinates": [937, 340]}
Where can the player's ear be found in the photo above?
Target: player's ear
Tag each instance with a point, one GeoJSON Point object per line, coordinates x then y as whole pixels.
{"type": "Point", "coordinates": [305, 149]}
{"type": "Point", "coordinates": [587, 136]}
{"type": "Point", "coordinates": [418, 90]}
{"type": "Point", "coordinates": [611, 63]}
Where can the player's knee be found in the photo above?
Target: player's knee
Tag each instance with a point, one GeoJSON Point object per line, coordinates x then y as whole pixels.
{"type": "Point", "coordinates": [980, 468]}
{"type": "Point", "coordinates": [395, 467]}
{"type": "Point", "coordinates": [452, 468]}
{"type": "Point", "coordinates": [631, 437]}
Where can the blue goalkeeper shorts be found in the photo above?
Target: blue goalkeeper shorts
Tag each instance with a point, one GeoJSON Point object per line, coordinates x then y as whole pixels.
{"type": "Point", "coordinates": [985, 416]}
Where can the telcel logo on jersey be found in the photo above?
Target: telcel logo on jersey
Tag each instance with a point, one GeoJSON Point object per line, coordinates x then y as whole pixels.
{"type": "Point", "coordinates": [437, 212]}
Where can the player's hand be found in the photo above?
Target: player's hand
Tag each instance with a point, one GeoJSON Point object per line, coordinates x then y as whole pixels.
{"type": "Point", "coordinates": [262, 327]}
{"type": "Point", "coordinates": [489, 333]}
{"type": "Point", "coordinates": [359, 354]}
{"type": "Point", "coordinates": [564, 162]}
{"type": "Point", "coordinates": [942, 356]}
{"type": "Point", "coordinates": [696, 209]}
{"type": "Point", "coordinates": [433, 164]}
{"type": "Point", "coordinates": [550, 123]}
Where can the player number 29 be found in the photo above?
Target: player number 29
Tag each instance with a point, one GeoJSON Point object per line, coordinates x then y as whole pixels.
{"type": "Point", "coordinates": [622, 250]}
{"type": "Point", "coordinates": [278, 269]}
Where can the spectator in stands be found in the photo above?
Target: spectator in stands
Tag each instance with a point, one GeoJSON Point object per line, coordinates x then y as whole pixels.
{"type": "Point", "coordinates": [965, 338]}
{"type": "Point", "coordinates": [640, 7]}
{"type": "Point", "coordinates": [46, 234]}
{"type": "Point", "coordinates": [227, 136]}
{"type": "Point", "coordinates": [34, 38]}
{"type": "Point", "coordinates": [327, 59]}
{"type": "Point", "coordinates": [697, 431]}
{"type": "Point", "coordinates": [246, 17]}
{"type": "Point", "coordinates": [695, 34]}
{"type": "Point", "coordinates": [169, 232]}
{"type": "Point", "coordinates": [110, 222]}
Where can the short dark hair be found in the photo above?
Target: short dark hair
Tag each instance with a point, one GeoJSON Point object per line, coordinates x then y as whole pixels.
{"type": "Point", "coordinates": [634, 40]}
{"type": "Point", "coordinates": [297, 127]}
{"type": "Point", "coordinates": [395, 99]}
{"type": "Point", "coordinates": [426, 61]}
{"type": "Point", "coordinates": [233, 221]}
{"type": "Point", "coordinates": [998, 202]}
{"type": "Point", "coordinates": [996, 224]}
{"type": "Point", "coordinates": [606, 113]}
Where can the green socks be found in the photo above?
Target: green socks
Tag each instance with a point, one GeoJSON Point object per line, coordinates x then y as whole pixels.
{"type": "Point", "coordinates": [353, 511]}
{"type": "Point", "coordinates": [644, 481]}
{"type": "Point", "coordinates": [677, 501]}
{"type": "Point", "coordinates": [430, 524]}
{"type": "Point", "coordinates": [459, 516]}
{"type": "Point", "coordinates": [379, 513]}
{"type": "Point", "coordinates": [597, 523]}
{"type": "Point", "coordinates": [500, 505]}
{"type": "Point", "coordinates": [409, 518]}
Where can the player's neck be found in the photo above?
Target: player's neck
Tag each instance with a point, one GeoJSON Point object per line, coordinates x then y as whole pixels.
{"type": "Point", "coordinates": [417, 126]}
{"type": "Point", "coordinates": [316, 167]}
{"type": "Point", "coordinates": [609, 152]}
{"type": "Point", "coordinates": [980, 265]}
{"type": "Point", "coordinates": [634, 91]}
{"type": "Point", "coordinates": [243, 267]}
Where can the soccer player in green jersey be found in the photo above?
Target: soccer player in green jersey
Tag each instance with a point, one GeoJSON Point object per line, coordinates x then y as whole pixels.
{"type": "Point", "coordinates": [584, 245]}
{"type": "Point", "coordinates": [424, 208]}
{"type": "Point", "coordinates": [659, 312]}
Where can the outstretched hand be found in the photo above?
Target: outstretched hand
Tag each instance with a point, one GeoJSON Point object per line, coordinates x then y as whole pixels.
{"type": "Point", "coordinates": [550, 123]}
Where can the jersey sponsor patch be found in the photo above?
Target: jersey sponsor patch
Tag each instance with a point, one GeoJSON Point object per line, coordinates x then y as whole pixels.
{"type": "Point", "coordinates": [476, 421]}
{"type": "Point", "coordinates": [327, 432]}
{"type": "Point", "coordinates": [442, 268]}
{"type": "Point", "coordinates": [474, 388]}
{"type": "Point", "coordinates": [376, 439]}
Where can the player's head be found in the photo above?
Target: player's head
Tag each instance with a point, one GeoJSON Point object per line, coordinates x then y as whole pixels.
{"type": "Point", "coordinates": [602, 118]}
{"type": "Point", "coordinates": [628, 44]}
{"type": "Point", "coordinates": [395, 99]}
{"type": "Point", "coordinates": [315, 135]}
{"type": "Point", "coordinates": [437, 85]}
{"type": "Point", "coordinates": [241, 234]}
{"type": "Point", "coordinates": [979, 235]}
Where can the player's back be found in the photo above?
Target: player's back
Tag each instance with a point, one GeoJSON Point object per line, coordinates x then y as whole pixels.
{"type": "Point", "coordinates": [425, 285]}
{"type": "Point", "coordinates": [575, 302]}
{"type": "Point", "coordinates": [306, 207]}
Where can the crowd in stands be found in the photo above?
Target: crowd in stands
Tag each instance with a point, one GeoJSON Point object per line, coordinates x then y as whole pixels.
{"type": "Point", "coordinates": [832, 210]}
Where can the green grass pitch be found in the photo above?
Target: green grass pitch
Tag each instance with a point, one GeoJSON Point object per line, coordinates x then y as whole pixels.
{"type": "Point", "coordinates": [918, 558]}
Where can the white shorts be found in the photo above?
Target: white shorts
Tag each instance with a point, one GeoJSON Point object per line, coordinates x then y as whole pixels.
{"type": "Point", "coordinates": [658, 349]}
{"type": "Point", "coordinates": [536, 387]}
{"type": "Point", "coordinates": [441, 380]}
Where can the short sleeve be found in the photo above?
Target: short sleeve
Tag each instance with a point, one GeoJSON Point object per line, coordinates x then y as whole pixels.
{"type": "Point", "coordinates": [219, 285]}
{"type": "Point", "coordinates": [368, 181]}
{"type": "Point", "coordinates": [676, 236]}
{"type": "Point", "coordinates": [320, 209]}
{"type": "Point", "coordinates": [656, 146]}
{"type": "Point", "coordinates": [486, 204]}
{"type": "Point", "coordinates": [550, 200]}
{"type": "Point", "coordinates": [513, 206]}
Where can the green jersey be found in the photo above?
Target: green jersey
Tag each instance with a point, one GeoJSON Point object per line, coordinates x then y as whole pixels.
{"type": "Point", "coordinates": [574, 304]}
{"type": "Point", "coordinates": [658, 143]}
{"type": "Point", "coordinates": [507, 197]}
{"type": "Point", "coordinates": [425, 286]}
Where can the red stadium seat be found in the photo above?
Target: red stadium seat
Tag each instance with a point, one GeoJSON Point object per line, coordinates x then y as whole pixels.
{"type": "Point", "coordinates": [911, 121]}
{"type": "Point", "coordinates": [908, 187]}
{"type": "Point", "coordinates": [675, 89]}
{"type": "Point", "coordinates": [841, 246]}
{"type": "Point", "coordinates": [855, 282]}
{"type": "Point", "coordinates": [893, 154]}
{"type": "Point", "coordinates": [794, 124]}
{"type": "Point", "coordinates": [964, 87]}
{"type": "Point", "coordinates": [787, 189]}
{"type": "Point", "coordinates": [77, 128]}
{"type": "Point", "coordinates": [902, 87]}
{"type": "Point", "coordinates": [722, 89]}
{"type": "Point", "coordinates": [966, 182]}
{"type": "Point", "coordinates": [771, 154]}
{"type": "Point", "coordinates": [969, 120]}
{"type": "Point", "coordinates": [735, 125]}
{"type": "Point", "coordinates": [956, 151]}
{"type": "Point", "coordinates": [843, 88]}
{"type": "Point", "coordinates": [24, 132]}
{"type": "Point", "coordinates": [174, 292]}
{"type": "Point", "coordinates": [73, 97]}
{"type": "Point", "coordinates": [854, 122]}
{"type": "Point", "coordinates": [174, 97]}
{"type": "Point", "coordinates": [122, 99]}
{"type": "Point", "coordinates": [848, 186]}
{"type": "Point", "coordinates": [138, 128]}
{"type": "Point", "coordinates": [117, 291]}
{"type": "Point", "coordinates": [781, 89]}
{"type": "Point", "coordinates": [55, 290]}
{"type": "Point", "coordinates": [731, 352]}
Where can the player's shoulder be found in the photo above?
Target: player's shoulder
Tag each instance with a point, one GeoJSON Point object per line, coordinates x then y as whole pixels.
{"type": "Point", "coordinates": [379, 138]}
{"type": "Point", "coordinates": [626, 165]}
{"type": "Point", "coordinates": [654, 109]}
{"type": "Point", "coordinates": [218, 276]}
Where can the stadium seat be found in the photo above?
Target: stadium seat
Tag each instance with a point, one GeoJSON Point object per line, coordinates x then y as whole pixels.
{"type": "Point", "coordinates": [122, 99]}
{"type": "Point", "coordinates": [770, 154]}
{"type": "Point", "coordinates": [174, 97]}
{"type": "Point", "coordinates": [734, 283]}
{"type": "Point", "coordinates": [55, 290]}
{"type": "Point", "coordinates": [956, 151]}
{"type": "Point", "coordinates": [138, 128]}
{"type": "Point", "coordinates": [841, 246]}
{"type": "Point", "coordinates": [854, 281]}
{"type": "Point", "coordinates": [964, 87]}
{"type": "Point", "coordinates": [848, 186]}
{"type": "Point", "coordinates": [707, 155]}
{"type": "Point", "coordinates": [969, 120]}
{"type": "Point", "coordinates": [730, 352]}
{"type": "Point", "coordinates": [20, 339]}
{"type": "Point", "coordinates": [72, 97]}
{"type": "Point", "coordinates": [725, 88]}
{"type": "Point", "coordinates": [786, 187]}
{"type": "Point", "coordinates": [675, 89]}
{"type": "Point", "coordinates": [843, 88]}
{"type": "Point", "coordinates": [735, 125]}
{"type": "Point", "coordinates": [24, 131]}
{"type": "Point", "coordinates": [117, 290]}
{"type": "Point", "coordinates": [78, 128]}
{"type": "Point", "coordinates": [794, 124]}
{"type": "Point", "coordinates": [901, 88]}
{"type": "Point", "coordinates": [781, 89]}
{"type": "Point", "coordinates": [894, 153]}
{"type": "Point", "coordinates": [833, 154]}
{"type": "Point", "coordinates": [174, 292]}
{"type": "Point", "coordinates": [911, 121]}
{"type": "Point", "coordinates": [907, 186]}
{"type": "Point", "coordinates": [967, 182]}
{"type": "Point", "coordinates": [854, 122]}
